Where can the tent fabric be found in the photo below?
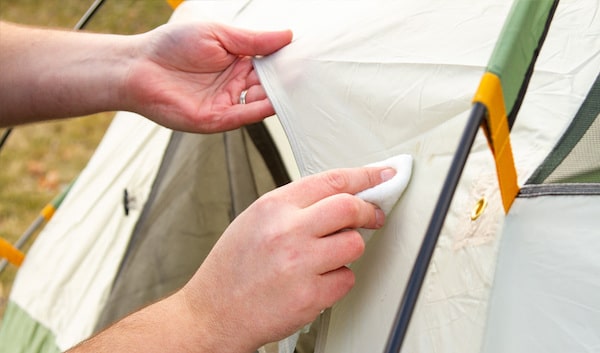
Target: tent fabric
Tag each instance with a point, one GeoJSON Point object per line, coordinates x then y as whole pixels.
{"type": "Point", "coordinates": [24, 328]}
{"type": "Point", "coordinates": [545, 296]}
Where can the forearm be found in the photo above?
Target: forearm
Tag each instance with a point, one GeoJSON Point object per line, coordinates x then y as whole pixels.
{"type": "Point", "coordinates": [167, 326]}
{"type": "Point", "coordinates": [49, 74]}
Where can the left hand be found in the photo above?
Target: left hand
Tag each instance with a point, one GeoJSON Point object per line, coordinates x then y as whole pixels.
{"type": "Point", "coordinates": [189, 76]}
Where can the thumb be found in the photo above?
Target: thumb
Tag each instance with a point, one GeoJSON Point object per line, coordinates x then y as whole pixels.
{"type": "Point", "coordinates": [244, 42]}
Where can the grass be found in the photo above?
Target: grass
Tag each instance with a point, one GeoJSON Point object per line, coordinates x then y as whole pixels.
{"type": "Point", "coordinates": [38, 160]}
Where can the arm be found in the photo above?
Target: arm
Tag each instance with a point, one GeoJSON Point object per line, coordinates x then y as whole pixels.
{"type": "Point", "coordinates": [274, 269]}
{"type": "Point", "coordinates": [186, 77]}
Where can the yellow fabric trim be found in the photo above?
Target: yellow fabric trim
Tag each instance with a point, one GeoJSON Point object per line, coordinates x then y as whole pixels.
{"type": "Point", "coordinates": [48, 211]}
{"type": "Point", "coordinates": [496, 130]}
{"type": "Point", "coordinates": [10, 253]}
{"type": "Point", "coordinates": [174, 3]}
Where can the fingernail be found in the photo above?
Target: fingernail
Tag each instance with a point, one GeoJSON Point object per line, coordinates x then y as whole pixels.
{"type": "Point", "coordinates": [379, 218]}
{"type": "Point", "coordinates": [387, 174]}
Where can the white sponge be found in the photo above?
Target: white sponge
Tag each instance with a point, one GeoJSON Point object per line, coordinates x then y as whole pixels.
{"type": "Point", "coordinates": [386, 194]}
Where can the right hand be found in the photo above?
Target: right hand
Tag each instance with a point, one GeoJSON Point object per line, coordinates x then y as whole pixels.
{"type": "Point", "coordinates": [283, 260]}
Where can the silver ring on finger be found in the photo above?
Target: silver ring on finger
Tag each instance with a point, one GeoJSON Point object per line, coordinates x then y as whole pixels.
{"type": "Point", "coordinates": [243, 96]}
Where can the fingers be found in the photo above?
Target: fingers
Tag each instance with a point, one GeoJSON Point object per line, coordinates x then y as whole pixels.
{"type": "Point", "coordinates": [252, 43]}
{"type": "Point", "coordinates": [257, 105]}
{"type": "Point", "coordinates": [333, 253]}
{"type": "Point", "coordinates": [252, 79]}
{"type": "Point", "coordinates": [253, 94]}
{"type": "Point", "coordinates": [243, 114]}
{"type": "Point", "coordinates": [335, 285]}
{"type": "Point", "coordinates": [311, 189]}
{"type": "Point", "coordinates": [341, 211]}
{"type": "Point", "coordinates": [337, 250]}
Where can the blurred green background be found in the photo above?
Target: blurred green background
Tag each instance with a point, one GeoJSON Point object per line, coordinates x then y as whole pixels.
{"type": "Point", "coordinates": [39, 160]}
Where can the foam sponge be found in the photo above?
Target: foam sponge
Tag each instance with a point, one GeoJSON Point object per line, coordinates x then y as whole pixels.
{"type": "Point", "coordinates": [386, 194]}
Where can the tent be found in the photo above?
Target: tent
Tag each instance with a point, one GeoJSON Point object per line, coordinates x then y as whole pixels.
{"type": "Point", "coordinates": [362, 81]}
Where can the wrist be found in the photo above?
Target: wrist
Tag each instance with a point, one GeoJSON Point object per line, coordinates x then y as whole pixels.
{"type": "Point", "coordinates": [133, 53]}
{"type": "Point", "coordinates": [213, 329]}
{"type": "Point", "coordinates": [101, 65]}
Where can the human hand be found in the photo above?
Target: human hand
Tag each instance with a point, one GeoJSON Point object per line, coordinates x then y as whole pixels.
{"type": "Point", "coordinates": [189, 76]}
{"type": "Point", "coordinates": [283, 260]}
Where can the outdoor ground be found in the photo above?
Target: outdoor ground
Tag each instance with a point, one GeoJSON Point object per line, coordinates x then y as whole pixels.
{"type": "Point", "coordinates": [39, 160]}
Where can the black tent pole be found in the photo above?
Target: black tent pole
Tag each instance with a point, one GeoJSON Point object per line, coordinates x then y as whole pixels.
{"type": "Point", "coordinates": [5, 136]}
{"type": "Point", "coordinates": [417, 276]}
{"type": "Point", "coordinates": [87, 16]}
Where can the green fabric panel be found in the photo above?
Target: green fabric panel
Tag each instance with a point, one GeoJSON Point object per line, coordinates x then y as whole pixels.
{"type": "Point", "coordinates": [20, 333]}
{"type": "Point", "coordinates": [516, 47]}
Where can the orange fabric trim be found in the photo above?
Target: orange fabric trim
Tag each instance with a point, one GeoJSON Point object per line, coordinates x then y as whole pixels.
{"type": "Point", "coordinates": [496, 130]}
{"type": "Point", "coordinates": [10, 253]}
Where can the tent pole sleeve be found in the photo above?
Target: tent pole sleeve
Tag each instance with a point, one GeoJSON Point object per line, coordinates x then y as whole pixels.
{"type": "Point", "coordinates": [417, 276]}
{"type": "Point", "coordinates": [517, 48]}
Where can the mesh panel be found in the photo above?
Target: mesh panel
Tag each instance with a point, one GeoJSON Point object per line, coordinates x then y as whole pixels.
{"type": "Point", "coordinates": [582, 164]}
{"type": "Point", "coordinates": [576, 157]}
